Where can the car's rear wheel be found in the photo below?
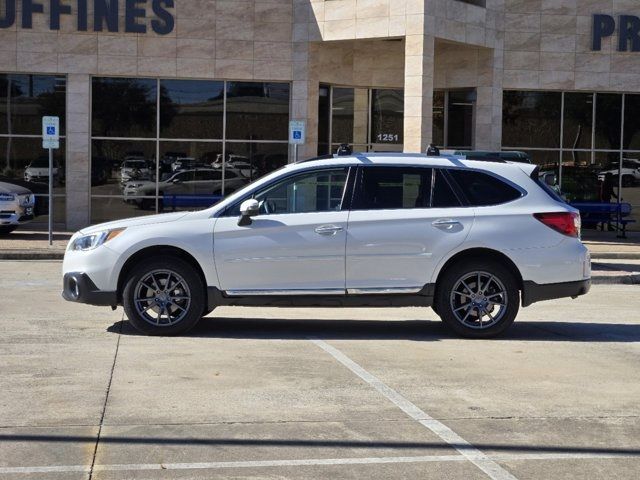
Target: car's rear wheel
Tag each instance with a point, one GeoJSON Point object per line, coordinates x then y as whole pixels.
{"type": "Point", "coordinates": [6, 230]}
{"type": "Point", "coordinates": [478, 299]}
{"type": "Point", "coordinates": [164, 297]}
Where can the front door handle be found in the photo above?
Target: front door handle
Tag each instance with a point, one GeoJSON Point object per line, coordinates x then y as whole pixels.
{"type": "Point", "coordinates": [328, 230]}
{"type": "Point", "coordinates": [446, 224]}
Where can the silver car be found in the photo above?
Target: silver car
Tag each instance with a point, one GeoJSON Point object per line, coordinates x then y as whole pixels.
{"type": "Point", "coordinates": [16, 207]}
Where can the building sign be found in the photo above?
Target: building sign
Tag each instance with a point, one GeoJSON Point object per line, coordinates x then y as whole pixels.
{"type": "Point", "coordinates": [627, 26]}
{"type": "Point", "coordinates": [105, 14]}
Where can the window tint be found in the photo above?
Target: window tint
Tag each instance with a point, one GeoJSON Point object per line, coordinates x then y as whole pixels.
{"type": "Point", "coordinates": [482, 189]}
{"type": "Point", "coordinates": [443, 195]}
{"type": "Point", "coordinates": [393, 187]}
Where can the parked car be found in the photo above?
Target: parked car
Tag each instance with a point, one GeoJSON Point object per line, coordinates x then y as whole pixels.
{"type": "Point", "coordinates": [16, 207]}
{"type": "Point", "coordinates": [38, 171]}
{"type": "Point", "coordinates": [509, 156]}
{"type": "Point", "coordinates": [630, 172]}
{"type": "Point", "coordinates": [366, 230]}
{"type": "Point", "coordinates": [185, 163]}
{"type": "Point", "coordinates": [200, 181]}
{"type": "Point", "coordinates": [134, 168]}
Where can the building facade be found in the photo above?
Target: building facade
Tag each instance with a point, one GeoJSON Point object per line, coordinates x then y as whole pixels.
{"type": "Point", "coordinates": [164, 99]}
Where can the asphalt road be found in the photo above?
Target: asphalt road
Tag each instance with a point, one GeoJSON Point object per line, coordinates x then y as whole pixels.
{"type": "Point", "coordinates": [269, 393]}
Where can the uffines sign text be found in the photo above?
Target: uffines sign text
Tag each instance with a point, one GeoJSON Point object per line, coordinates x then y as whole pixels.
{"type": "Point", "coordinates": [104, 16]}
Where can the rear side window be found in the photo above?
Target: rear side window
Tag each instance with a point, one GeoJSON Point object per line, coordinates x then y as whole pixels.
{"type": "Point", "coordinates": [482, 189]}
{"type": "Point", "coordinates": [385, 188]}
{"type": "Point", "coordinates": [443, 195]}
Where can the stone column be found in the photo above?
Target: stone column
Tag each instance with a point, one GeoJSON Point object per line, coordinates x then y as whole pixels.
{"type": "Point", "coordinates": [487, 134]}
{"type": "Point", "coordinates": [418, 86]}
{"type": "Point", "coordinates": [78, 147]}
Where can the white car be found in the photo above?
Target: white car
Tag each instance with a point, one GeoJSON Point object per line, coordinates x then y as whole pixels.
{"type": "Point", "coordinates": [472, 239]}
{"type": "Point", "coordinates": [134, 168]}
{"type": "Point", "coordinates": [38, 171]}
{"type": "Point", "coordinates": [16, 207]}
{"type": "Point", "coordinates": [630, 173]}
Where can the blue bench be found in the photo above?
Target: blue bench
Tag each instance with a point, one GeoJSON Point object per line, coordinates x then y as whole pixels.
{"type": "Point", "coordinates": [593, 213]}
{"type": "Point", "coordinates": [189, 200]}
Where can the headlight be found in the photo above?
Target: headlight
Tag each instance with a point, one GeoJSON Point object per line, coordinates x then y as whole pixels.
{"type": "Point", "coordinates": [94, 240]}
{"type": "Point", "coordinates": [7, 197]}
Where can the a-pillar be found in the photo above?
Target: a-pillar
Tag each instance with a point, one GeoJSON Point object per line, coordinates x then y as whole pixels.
{"type": "Point", "coordinates": [78, 148]}
{"type": "Point", "coordinates": [418, 87]}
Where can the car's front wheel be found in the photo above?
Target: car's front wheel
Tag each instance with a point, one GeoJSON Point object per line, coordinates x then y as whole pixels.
{"type": "Point", "coordinates": [164, 297]}
{"type": "Point", "coordinates": [478, 299]}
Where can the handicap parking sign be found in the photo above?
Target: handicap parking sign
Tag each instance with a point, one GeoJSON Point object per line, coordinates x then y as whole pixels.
{"type": "Point", "coordinates": [297, 132]}
{"type": "Point", "coordinates": [297, 135]}
{"type": "Point", "coordinates": [51, 130]}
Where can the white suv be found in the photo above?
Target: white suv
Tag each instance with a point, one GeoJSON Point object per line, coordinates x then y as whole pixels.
{"type": "Point", "coordinates": [471, 239]}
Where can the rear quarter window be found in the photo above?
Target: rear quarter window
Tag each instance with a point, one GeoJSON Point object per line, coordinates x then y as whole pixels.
{"type": "Point", "coordinates": [482, 189]}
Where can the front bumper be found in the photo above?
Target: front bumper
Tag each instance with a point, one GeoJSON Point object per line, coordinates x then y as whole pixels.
{"type": "Point", "coordinates": [533, 292]}
{"type": "Point", "coordinates": [17, 216]}
{"type": "Point", "coordinates": [78, 287]}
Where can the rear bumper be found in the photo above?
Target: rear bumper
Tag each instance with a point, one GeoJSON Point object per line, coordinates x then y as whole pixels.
{"type": "Point", "coordinates": [78, 287]}
{"type": "Point", "coordinates": [533, 292]}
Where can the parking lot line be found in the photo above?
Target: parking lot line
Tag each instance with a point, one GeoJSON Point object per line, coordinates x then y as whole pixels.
{"type": "Point", "coordinates": [475, 456]}
{"type": "Point", "coordinates": [303, 462]}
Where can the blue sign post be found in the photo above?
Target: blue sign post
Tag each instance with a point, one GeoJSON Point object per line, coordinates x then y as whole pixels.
{"type": "Point", "coordinates": [51, 141]}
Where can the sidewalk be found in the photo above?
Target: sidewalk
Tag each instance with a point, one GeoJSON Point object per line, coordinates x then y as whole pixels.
{"type": "Point", "coordinates": [614, 260]}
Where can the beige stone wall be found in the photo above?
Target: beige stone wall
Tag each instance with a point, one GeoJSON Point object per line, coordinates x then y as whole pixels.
{"type": "Point", "coordinates": [548, 46]}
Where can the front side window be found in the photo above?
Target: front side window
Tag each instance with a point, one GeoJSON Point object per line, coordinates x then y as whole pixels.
{"type": "Point", "coordinates": [482, 189]}
{"type": "Point", "coordinates": [385, 188]}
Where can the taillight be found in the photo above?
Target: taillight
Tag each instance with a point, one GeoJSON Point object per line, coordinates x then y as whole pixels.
{"type": "Point", "coordinates": [567, 223]}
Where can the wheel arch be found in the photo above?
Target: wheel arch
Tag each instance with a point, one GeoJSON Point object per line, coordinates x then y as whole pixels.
{"type": "Point", "coordinates": [481, 253]}
{"type": "Point", "coordinates": [155, 251]}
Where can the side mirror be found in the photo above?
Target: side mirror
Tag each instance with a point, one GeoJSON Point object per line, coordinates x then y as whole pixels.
{"type": "Point", "coordinates": [249, 208]}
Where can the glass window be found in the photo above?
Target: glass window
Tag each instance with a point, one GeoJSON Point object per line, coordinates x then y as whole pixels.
{"type": "Point", "coordinates": [384, 188]}
{"type": "Point", "coordinates": [342, 111]}
{"type": "Point", "coordinates": [443, 194]}
{"type": "Point", "coordinates": [191, 109]}
{"type": "Point", "coordinates": [319, 191]}
{"type": "Point", "coordinates": [25, 99]}
{"type": "Point", "coordinates": [124, 107]}
{"type": "Point", "coordinates": [482, 189]}
{"type": "Point", "coordinates": [253, 160]}
{"type": "Point", "coordinates": [324, 115]}
{"type": "Point", "coordinates": [438, 118]}
{"type": "Point", "coordinates": [531, 119]}
{"type": "Point", "coordinates": [115, 163]}
{"type": "Point", "coordinates": [460, 121]}
{"type": "Point", "coordinates": [578, 120]}
{"type": "Point", "coordinates": [257, 111]}
{"type": "Point", "coordinates": [632, 122]}
{"type": "Point", "coordinates": [608, 118]}
{"type": "Point", "coordinates": [387, 116]}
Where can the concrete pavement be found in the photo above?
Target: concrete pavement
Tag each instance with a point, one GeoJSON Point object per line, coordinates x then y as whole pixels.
{"type": "Point", "coordinates": [322, 393]}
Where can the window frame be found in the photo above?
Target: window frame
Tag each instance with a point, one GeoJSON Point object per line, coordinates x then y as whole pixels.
{"type": "Point", "coordinates": [345, 203]}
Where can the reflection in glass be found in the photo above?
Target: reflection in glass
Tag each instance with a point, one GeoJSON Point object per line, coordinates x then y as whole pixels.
{"type": "Point", "coordinates": [438, 118]}
{"type": "Point", "coordinates": [460, 122]}
{"type": "Point", "coordinates": [193, 109]}
{"type": "Point", "coordinates": [115, 163]}
{"type": "Point", "coordinates": [253, 160]}
{"type": "Point", "coordinates": [25, 99]}
{"type": "Point", "coordinates": [578, 125]}
{"type": "Point", "coordinates": [257, 111]}
{"type": "Point", "coordinates": [106, 209]}
{"type": "Point", "coordinates": [387, 116]}
{"type": "Point", "coordinates": [125, 107]}
{"type": "Point", "coordinates": [24, 159]}
{"type": "Point", "coordinates": [608, 118]}
{"type": "Point", "coordinates": [631, 122]}
{"type": "Point", "coordinates": [531, 119]}
{"type": "Point", "coordinates": [342, 111]}
{"type": "Point", "coordinates": [324, 115]}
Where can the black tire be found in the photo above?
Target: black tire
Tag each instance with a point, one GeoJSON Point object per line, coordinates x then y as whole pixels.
{"type": "Point", "coordinates": [7, 229]}
{"type": "Point", "coordinates": [504, 281]}
{"type": "Point", "coordinates": [194, 290]}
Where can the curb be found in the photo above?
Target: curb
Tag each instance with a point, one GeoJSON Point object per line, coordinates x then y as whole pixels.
{"type": "Point", "coordinates": [629, 279]}
{"type": "Point", "coordinates": [616, 256]}
{"type": "Point", "coordinates": [34, 255]}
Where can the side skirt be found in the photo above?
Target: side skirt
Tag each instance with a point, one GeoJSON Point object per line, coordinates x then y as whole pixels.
{"type": "Point", "coordinates": [423, 298]}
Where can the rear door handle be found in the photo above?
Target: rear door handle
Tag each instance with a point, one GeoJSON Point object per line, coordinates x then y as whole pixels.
{"type": "Point", "coordinates": [446, 224]}
{"type": "Point", "coordinates": [328, 230]}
